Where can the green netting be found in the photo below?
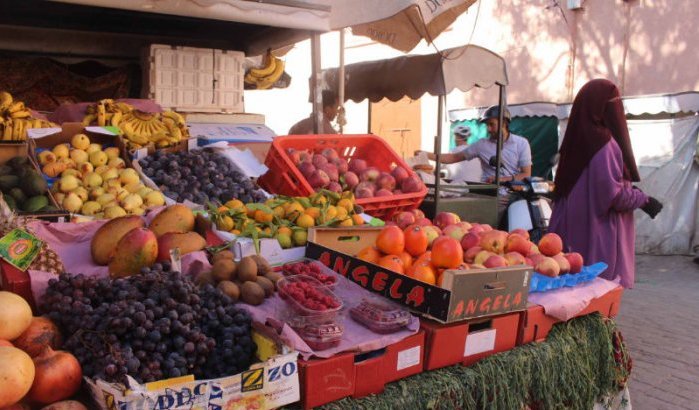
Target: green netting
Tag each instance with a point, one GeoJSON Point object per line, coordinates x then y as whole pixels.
{"type": "Point", "coordinates": [541, 132]}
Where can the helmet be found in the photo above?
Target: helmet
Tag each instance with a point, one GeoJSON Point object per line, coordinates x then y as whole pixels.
{"type": "Point", "coordinates": [494, 112]}
{"type": "Point", "coordinates": [462, 131]}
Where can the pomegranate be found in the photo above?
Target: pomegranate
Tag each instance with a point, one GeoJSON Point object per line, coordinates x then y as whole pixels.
{"type": "Point", "coordinates": [58, 376]}
{"type": "Point", "coordinates": [65, 405]}
{"type": "Point", "coordinates": [16, 375]}
{"type": "Point", "coordinates": [41, 332]}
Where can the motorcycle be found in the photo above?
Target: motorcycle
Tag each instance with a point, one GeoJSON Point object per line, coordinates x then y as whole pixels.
{"type": "Point", "coordinates": [529, 207]}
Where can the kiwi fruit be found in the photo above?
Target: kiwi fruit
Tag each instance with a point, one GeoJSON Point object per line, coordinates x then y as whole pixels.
{"type": "Point", "coordinates": [274, 276]}
{"type": "Point", "coordinates": [252, 293]}
{"type": "Point", "coordinates": [223, 255]}
{"type": "Point", "coordinates": [266, 284]}
{"type": "Point", "coordinates": [224, 269]}
{"type": "Point", "coordinates": [263, 267]}
{"type": "Point", "coordinates": [229, 288]}
{"type": "Point", "coordinates": [247, 269]}
{"type": "Point", "coordinates": [205, 278]}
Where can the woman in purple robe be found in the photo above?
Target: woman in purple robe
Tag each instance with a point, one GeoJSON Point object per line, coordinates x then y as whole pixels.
{"type": "Point", "coordinates": [594, 199]}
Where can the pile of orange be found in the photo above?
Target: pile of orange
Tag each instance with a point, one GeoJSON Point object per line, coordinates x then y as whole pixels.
{"type": "Point", "coordinates": [408, 252]}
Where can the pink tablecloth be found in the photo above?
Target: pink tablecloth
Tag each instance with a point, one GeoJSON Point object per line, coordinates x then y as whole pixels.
{"type": "Point", "coordinates": [565, 303]}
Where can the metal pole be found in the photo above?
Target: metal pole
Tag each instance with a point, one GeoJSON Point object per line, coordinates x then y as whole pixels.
{"type": "Point", "coordinates": [438, 152]}
{"type": "Point", "coordinates": [501, 118]}
{"type": "Point", "coordinates": [316, 95]}
{"type": "Point", "coordinates": [341, 82]}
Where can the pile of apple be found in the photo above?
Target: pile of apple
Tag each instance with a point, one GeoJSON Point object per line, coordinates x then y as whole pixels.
{"type": "Point", "coordinates": [485, 247]}
{"type": "Point", "coordinates": [326, 170]}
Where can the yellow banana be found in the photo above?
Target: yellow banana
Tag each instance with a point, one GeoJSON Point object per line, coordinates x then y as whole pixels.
{"type": "Point", "coordinates": [175, 116]}
{"type": "Point", "coordinates": [7, 132]}
{"type": "Point", "coordinates": [17, 130]}
{"type": "Point", "coordinates": [36, 123]}
{"type": "Point", "coordinates": [89, 119]}
{"type": "Point", "coordinates": [123, 107]}
{"type": "Point", "coordinates": [5, 100]}
{"type": "Point", "coordinates": [16, 106]}
{"type": "Point", "coordinates": [270, 65]}
{"type": "Point", "coordinates": [137, 138]}
{"type": "Point", "coordinates": [116, 118]}
{"type": "Point", "coordinates": [21, 114]}
{"type": "Point", "coordinates": [267, 82]}
{"type": "Point", "coordinates": [101, 115]}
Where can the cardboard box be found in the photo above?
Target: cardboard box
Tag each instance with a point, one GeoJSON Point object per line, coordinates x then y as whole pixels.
{"type": "Point", "coordinates": [536, 324]}
{"type": "Point", "coordinates": [11, 150]}
{"type": "Point", "coordinates": [271, 384]}
{"type": "Point", "coordinates": [47, 138]}
{"type": "Point", "coordinates": [467, 342]}
{"type": "Point", "coordinates": [359, 375]}
{"type": "Point", "coordinates": [466, 294]}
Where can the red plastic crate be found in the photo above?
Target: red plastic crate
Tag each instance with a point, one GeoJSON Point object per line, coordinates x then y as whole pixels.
{"type": "Point", "coordinates": [469, 341]}
{"type": "Point", "coordinates": [537, 324]}
{"type": "Point", "coordinates": [284, 177]}
{"type": "Point", "coordinates": [359, 375]}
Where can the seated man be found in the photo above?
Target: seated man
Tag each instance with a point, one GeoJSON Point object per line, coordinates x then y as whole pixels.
{"type": "Point", "coordinates": [330, 107]}
{"type": "Point", "coordinates": [516, 157]}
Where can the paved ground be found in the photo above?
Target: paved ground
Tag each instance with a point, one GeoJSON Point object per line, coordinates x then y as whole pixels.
{"type": "Point", "coordinates": [660, 323]}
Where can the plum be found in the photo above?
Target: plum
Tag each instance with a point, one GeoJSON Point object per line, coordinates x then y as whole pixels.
{"type": "Point", "coordinates": [369, 174]}
{"type": "Point", "coordinates": [351, 179]}
{"type": "Point", "coordinates": [335, 187]}
{"type": "Point", "coordinates": [319, 160]}
{"type": "Point", "coordinates": [341, 164]}
{"type": "Point", "coordinates": [319, 179]}
{"type": "Point", "coordinates": [307, 169]}
{"type": "Point", "coordinates": [386, 181]}
{"type": "Point", "coordinates": [357, 165]}
{"type": "Point", "coordinates": [331, 170]}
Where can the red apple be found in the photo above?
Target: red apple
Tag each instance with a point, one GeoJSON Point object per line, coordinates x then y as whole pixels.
{"type": "Point", "coordinates": [522, 232]}
{"type": "Point", "coordinates": [412, 183]}
{"type": "Point", "coordinates": [536, 258]}
{"type": "Point", "coordinates": [399, 173]}
{"type": "Point", "coordinates": [482, 256]}
{"type": "Point", "coordinates": [477, 266]}
{"type": "Point", "coordinates": [444, 219]}
{"type": "Point", "coordinates": [383, 192]}
{"type": "Point", "coordinates": [575, 260]}
{"type": "Point", "coordinates": [357, 165]}
{"type": "Point", "coordinates": [386, 181]}
{"type": "Point", "coordinates": [534, 250]}
{"type": "Point", "coordinates": [470, 240]}
{"type": "Point", "coordinates": [319, 160]}
{"type": "Point", "coordinates": [517, 243]}
{"type": "Point", "coordinates": [330, 154]}
{"type": "Point", "coordinates": [493, 241]}
{"type": "Point", "coordinates": [562, 263]}
{"type": "Point", "coordinates": [487, 227]}
{"type": "Point", "coordinates": [369, 174]}
{"type": "Point", "coordinates": [341, 164]}
{"type": "Point", "coordinates": [551, 244]}
{"type": "Point", "coordinates": [432, 233]}
{"type": "Point", "coordinates": [466, 226]}
{"type": "Point", "coordinates": [470, 253]}
{"type": "Point", "coordinates": [548, 266]}
{"type": "Point", "coordinates": [418, 213]}
{"type": "Point", "coordinates": [424, 222]}
{"type": "Point", "coordinates": [455, 231]}
{"type": "Point", "coordinates": [515, 258]}
{"type": "Point", "coordinates": [495, 261]}
{"type": "Point", "coordinates": [528, 262]}
{"type": "Point", "coordinates": [476, 228]}
{"type": "Point", "coordinates": [404, 219]}
{"type": "Point", "coordinates": [351, 179]}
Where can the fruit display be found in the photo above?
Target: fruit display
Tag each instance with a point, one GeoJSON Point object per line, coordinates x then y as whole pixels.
{"type": "Point", "coordinates": [325, 169]}
{"type": "Point", "coordinates": [285, 218]}
{"type": "Point", "coordinates": [199, 176]}
{"type": "Point", "coordinates": [30, 368]}
{"type": "Point", "coordinates": [93, 180]}
{"type": "Point", "coordinates": [380, 316]}
{"type": "Point", "coordinates": [151, 326]}
{"type": "Point", "coordinates": [312, 268]}
{"type": "Point", "coordinates": [139, 128]}
{"type": "Point", "coordinates": [16, 119]}
{"type": "Point", "coordinates": [126, 245]}
{"type": "Point", "coordinates": [47, 260]}
{"type": "Point", "coordinates": [410, 244]}
{"type": "Point", "coordinates": [251, 280]}
{"type": "Point", "coordinates": [262, 78]}
{"type": "Point", "coordinates": [23, 187]}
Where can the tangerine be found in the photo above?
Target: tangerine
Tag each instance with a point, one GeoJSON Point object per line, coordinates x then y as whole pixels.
{"type": "Point", "coordinates": [415, 240]}
{"type": "Point", "coordinates": [424, 272]}
{"type": "Point", "coordinates": [313, 211]}
{"type": "Point", "coordinates": [357, 219]}
{"type": "Point", "coordinates": [447, 252]}
{"type": "Point", "coordinates": [370, 254]}
{"type": "Point", "coordinates": [406, 259]}
{"type": "Point", "coordinates": [391, 240]}
{"type": "Point", "coordinates": [392, 263]}
{"type": "Point", "coordinates": [262, 216]}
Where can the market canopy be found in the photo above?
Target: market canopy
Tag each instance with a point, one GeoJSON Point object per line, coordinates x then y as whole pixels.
{"type": "Point", "coordinates": [414, 75]}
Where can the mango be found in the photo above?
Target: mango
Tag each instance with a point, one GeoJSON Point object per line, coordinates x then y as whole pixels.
{"type": "Point", "coordinates": [135, 250]}
{"type": "Point", "coordinates": [187, 242]}
{"type": "Point", "coordinates": [176, 218]}
{"type": "Point", "coordinates": [105, 240]}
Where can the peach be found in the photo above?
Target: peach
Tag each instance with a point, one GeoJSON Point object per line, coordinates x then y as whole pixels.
{"type": "Point", "coordinates": [562, 263]}
{"type": "Point", "coordinates": [575, 260]}
{"type": "Point", "coordinates": [482, 256]}
{"type": "Point", "coordinates": [470, 253]}
{"type": "Point", "coordinates": [494, 241]}
{"type": "Point", "coordinates": [517, 243]}
{"type": "Point", "coordinates": [444, 219]}
{"type": "Point", "coordinates": [521, 232]}
{"type": "Point", "coordinates": [551, 244]}
{"type": "Point", "coordinates": [470, 240]}
{"type": "Point", "coordinates": [495, 261]}
{"type": "Point", "coordinates": [548, 266]}
{"type": "Point", "coordinates": [536, 258]}
{"type": "Point", "coordinates": [515, 258]}
{"type": "Point", "coordinates": [476, 228]}
{"type": "Point", "coordinates": [486, 227]}
{"type": "Point", "coordinates": [534, 250]}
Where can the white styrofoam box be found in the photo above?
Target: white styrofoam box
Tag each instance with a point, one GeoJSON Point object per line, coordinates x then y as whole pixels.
{"type": "Point", "coordinates": [191, 79]}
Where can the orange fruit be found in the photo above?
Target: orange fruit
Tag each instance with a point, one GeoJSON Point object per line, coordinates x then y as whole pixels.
{"type": "Point", "coordinates": [406, 259]}
{"type": "Point", "coordinates": [392, 263]}
{"type": "Point", "coordinates": [357, 219]}
{"type": "Point", "coordinates": [424, 272]}
{"type": "Point", "coordinates": [391, 240]}
{"type": "Point", "coordinates": [261, 216]}
{"type": "Point", "coordinates": [415, 240]}
{"type": "Point", "coordinates": [447, 252]}
{"type": "Point", "coordinates": [370, 254]}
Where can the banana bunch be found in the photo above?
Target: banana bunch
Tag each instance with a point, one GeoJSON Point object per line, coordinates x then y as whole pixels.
{"type": "Point", "coordinates": [138, 127]}
{"type": "Point", "coordinates": [264, 77]}
{"type": "Point", "coordinates": [16, 119]}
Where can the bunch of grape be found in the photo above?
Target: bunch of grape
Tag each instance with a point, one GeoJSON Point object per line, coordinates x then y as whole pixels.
{"type": "Point", "coordinates": [150, 326]}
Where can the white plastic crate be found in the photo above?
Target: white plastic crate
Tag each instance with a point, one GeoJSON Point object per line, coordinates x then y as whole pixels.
{"type": "Point", "coordinates": [188, 79]}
